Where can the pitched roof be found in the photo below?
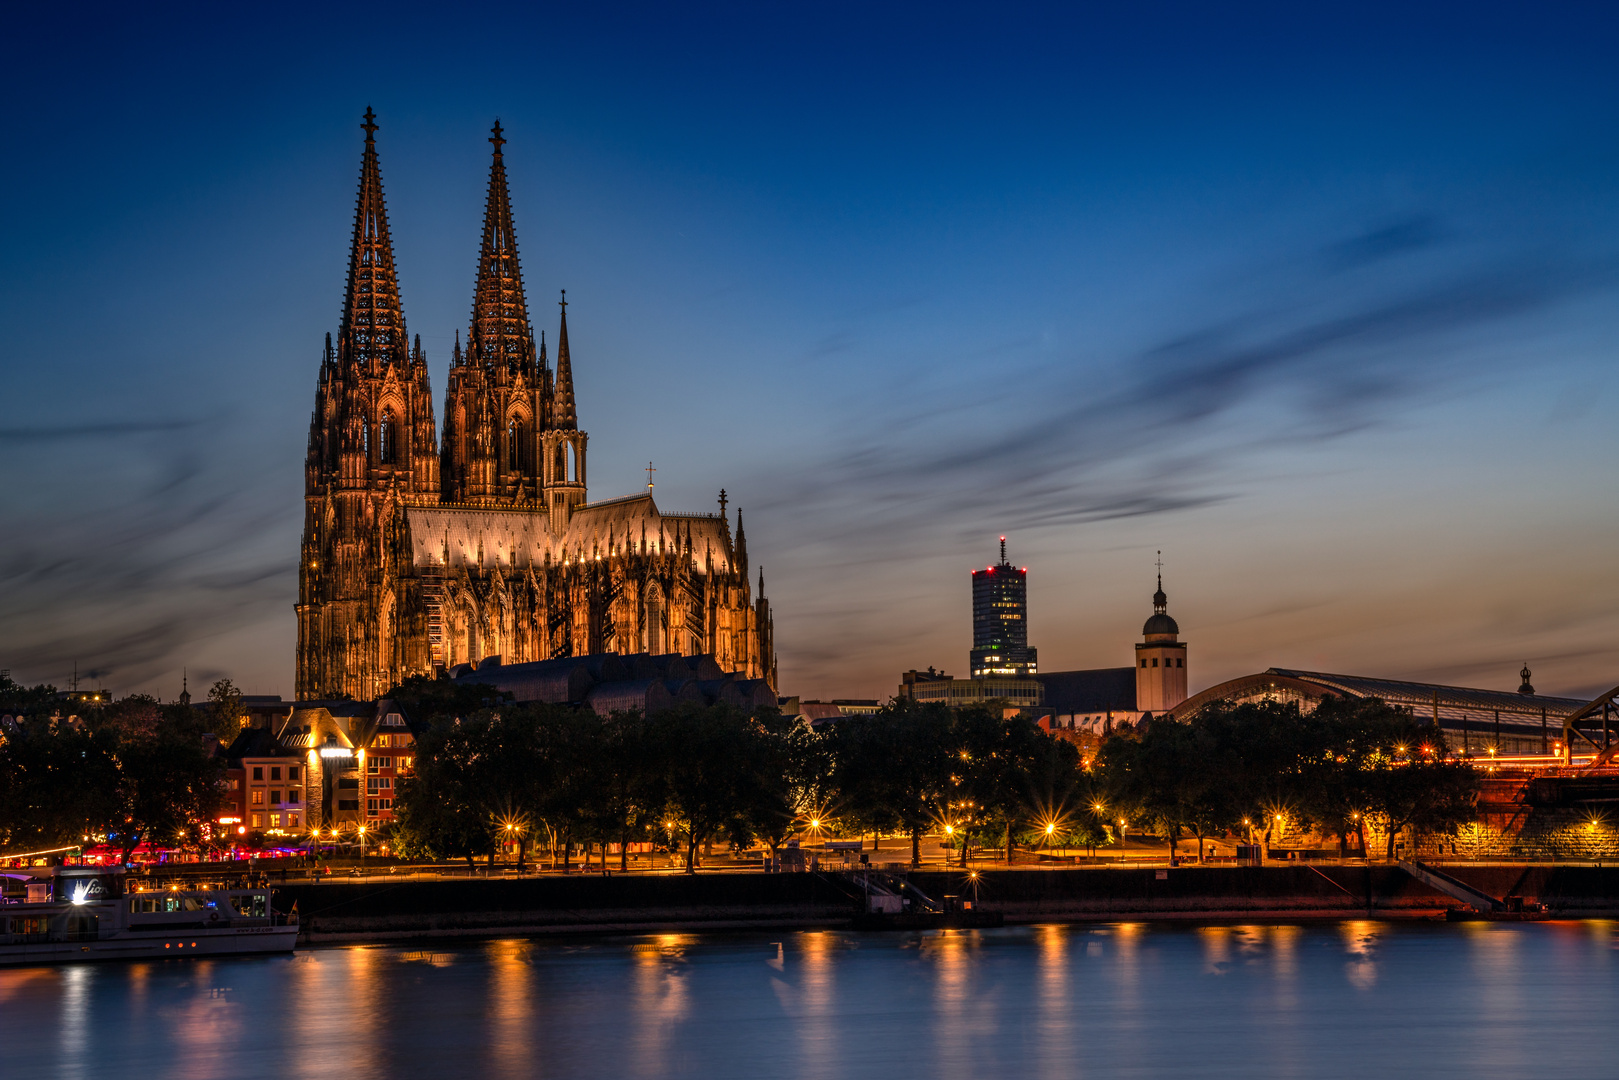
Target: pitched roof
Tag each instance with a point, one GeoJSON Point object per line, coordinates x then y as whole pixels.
{"type": "Point", "coordinates": [1094, 690]}
{"type": "Point", "coordinates": [1397, 692]}
{"type": "Point", "coordinates": [521, 536]}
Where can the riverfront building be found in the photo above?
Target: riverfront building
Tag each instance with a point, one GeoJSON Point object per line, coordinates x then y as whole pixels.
{"type": "Point", "coordinates": [1001, 622]}
{"type": "Point", "coordinates": [423, 553]}
{"type": "Point", "coordinates": [1474, 721]}
{"type": "Point", "coordinates": [1098, 700]}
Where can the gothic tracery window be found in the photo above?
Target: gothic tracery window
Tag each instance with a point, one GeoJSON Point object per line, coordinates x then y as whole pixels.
{"type": "Point", "coordinates": [516, 437]}
{"type": "Point", "coordinates": [387, 438]}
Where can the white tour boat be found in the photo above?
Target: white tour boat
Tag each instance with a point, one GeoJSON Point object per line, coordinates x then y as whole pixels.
{"type": "Point", "coordinates": [60, 913]}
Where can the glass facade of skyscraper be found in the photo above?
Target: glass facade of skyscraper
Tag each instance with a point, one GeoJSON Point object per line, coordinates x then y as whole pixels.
{"type": "Point", "coordinates": [1001, 621]}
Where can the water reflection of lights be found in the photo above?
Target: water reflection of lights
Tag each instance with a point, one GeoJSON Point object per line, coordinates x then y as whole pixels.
{"type": "Point", "coordinates": [1360, 941]}
{"type": "Point", "coordinates": [808, 994]}
{"type": "Point", "coordinates": [1058, 1045]}
{"type": "Point", "coordinates": [76, 1036]}
{"type": "Point", "coordinates": [955, 1021]}
{"type": "Point", "coordinates": [1216, 941]}
{"type": "Point", "coordinates": [511, 1015]}
{"type": "Point", "coordinates": [659, 1001]}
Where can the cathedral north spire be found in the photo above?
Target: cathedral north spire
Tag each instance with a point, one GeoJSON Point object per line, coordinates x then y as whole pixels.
{"type": "Point", "coordinates": [373, 322]}
{"type": "Point", "coordinates": [500, 328]}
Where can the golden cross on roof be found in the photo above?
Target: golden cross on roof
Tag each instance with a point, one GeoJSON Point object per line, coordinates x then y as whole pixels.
{"type": "Point", "coordinates": [649, 471]}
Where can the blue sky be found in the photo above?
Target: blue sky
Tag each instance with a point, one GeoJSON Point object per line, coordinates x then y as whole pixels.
{"type": "Point", "coordinates": [1321, 304]}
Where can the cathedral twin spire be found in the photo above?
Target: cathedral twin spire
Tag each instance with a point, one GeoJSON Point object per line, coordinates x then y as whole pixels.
{"type": "Point", "coordinates": [510, 432]}
{"type": "Point", "coordinates": [373, 321]}
{"type": "Point", "coordinates": [501, 335]}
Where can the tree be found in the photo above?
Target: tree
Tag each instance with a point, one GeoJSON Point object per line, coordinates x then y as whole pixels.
{"type": "Point", "coordinates": [138, 716]}
{"type": "Point", "coordinates": [226, 713]}
{"type": "Point", "coordinates": [896, 769]}
{"type": "Point", "coordinates": [31, 701]}
{"type": "Point", "coordinates": [442, 809]}
{"type": "Point", "coordinates": [1000, 760]}
{"type": "Point", "coordinates": [1410, 784]}
{"type": "Point", "coordinates": [167, 783]}
{"type": "Point", "coordinates": [58, 784]}
{"type": "Point", "coordinates": [715, 763]}
{"type": "Point", "coordinates": [1170, 779]}
{"type": "Point", "coordinates": [624, 791]}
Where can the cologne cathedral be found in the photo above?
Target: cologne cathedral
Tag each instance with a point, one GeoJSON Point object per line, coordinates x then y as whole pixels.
{"type": "Point", "coordinates": [421, 554]}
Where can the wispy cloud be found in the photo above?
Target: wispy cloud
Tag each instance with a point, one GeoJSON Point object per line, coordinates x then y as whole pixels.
{"type": "Point", "coordinates": [136, 553]}
{"type": "Point", "coordinates": [1333, 341]}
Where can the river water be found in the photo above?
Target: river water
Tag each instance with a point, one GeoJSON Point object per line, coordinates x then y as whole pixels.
{"type": "Point", "coordinates": [1355, 999]}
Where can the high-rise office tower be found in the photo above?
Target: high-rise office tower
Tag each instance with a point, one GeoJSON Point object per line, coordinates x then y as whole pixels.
{"type": "Point", "coordinates": [1001, 621]}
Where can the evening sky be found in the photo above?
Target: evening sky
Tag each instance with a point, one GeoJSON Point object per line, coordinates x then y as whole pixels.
{"type": "Point", "coordinates": [1317, 299]}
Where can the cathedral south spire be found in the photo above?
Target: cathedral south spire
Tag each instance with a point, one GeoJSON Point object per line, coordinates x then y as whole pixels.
{"type": "Point", "coordinates": [501, 335]}
{"type": "Point", "coordinates": [373, 322]}
{"type": "Point", "coordinates": [497, 400]}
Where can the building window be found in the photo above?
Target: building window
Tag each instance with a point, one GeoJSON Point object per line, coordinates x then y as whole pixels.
{"type": "Point", "coordinates": [275, 772]}
{"type": "Point", "coordinates": [258, 821]}
{"type": "Point", "coordinates": [292, 772]}
{"type": "Point", "coordinates": [275, 798]}
{"type": "Point", "coordinates": [258, 796]}
{"type": "Point", "coordinates": [1155, 661]}
{"type": "Point", "coordinates": [235, 783]}
{"type": "Point", "coordinates": [275, 821]}
{"type": "Point", "coordinates": [292, 821]}
{"type": "Point", "coordinates": [516, 437]}
{"type": "Point", "coordinates": [292, 795]}
{"type": "Point", "coordinates": [258, 772]}
{"type": "Point", "coordinates": [1180, 663]}
{"type": "Point", "coordinates": [387, 437]}
{"type": "Point", "coordinates": [1143, 663]}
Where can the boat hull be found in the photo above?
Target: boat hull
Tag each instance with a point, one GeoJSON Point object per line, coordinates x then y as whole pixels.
{"type": "Point", "coordinates": [156, 945]}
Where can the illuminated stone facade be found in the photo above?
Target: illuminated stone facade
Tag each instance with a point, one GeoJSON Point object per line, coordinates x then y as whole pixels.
{"type": "Point", "coordinates": [417, 557]}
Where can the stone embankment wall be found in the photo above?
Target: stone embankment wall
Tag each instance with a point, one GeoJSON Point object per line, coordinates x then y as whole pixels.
{"type": "Point", "coordinates": [379, 910]}
{"type": "Point", "coordinates": [1201, 892]}
{"type": "Point", "coordinates": [1538, 833]}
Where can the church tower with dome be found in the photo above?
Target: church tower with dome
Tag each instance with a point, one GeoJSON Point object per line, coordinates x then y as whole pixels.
{"type": "Point", "coordinates": [1160, 658]}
